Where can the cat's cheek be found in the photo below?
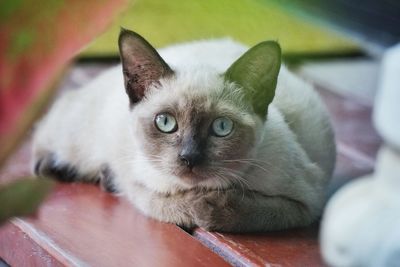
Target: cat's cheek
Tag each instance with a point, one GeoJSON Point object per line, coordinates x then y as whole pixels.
{"type": "Point", "coordinates": [237, 146]}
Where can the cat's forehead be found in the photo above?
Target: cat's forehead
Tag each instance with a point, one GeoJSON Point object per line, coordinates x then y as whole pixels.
{"type": "Point", "coordinates": [198, 91]}
{"type": "Point", "coordinates": [194, 83]}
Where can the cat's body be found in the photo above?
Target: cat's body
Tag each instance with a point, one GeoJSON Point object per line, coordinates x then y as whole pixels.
{"type": "Point", "coordinates": [269, 176]}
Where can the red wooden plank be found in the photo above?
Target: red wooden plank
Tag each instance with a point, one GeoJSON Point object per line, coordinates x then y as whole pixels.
{"type": "Point", "coordinates": [13, 241]}
{"type": "Point", "coordinates": [79, 225]}
{"type": "Point", "coordinates": [285, 248]}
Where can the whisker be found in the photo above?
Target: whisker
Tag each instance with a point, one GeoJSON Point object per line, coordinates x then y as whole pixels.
{"type": "Point", "coordinates": [233, 177]}
{"type": "Point", "coordinates": [247, 161]}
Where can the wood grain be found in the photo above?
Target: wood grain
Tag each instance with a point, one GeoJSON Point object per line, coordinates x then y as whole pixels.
{"type": "Point", "coordinates": [285, 248]}
{"type": "Point", "coordinates": [18, 249]}
{"type": "Point", "coordinates": [80, 225]}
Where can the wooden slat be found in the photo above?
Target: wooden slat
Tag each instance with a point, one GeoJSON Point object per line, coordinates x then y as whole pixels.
{"type": "Point", "coordinates": [285, 248]}
{"type": "Point", "coordinates": [80, 225]}
{"type": "Point", "coordinates": [19, 249]}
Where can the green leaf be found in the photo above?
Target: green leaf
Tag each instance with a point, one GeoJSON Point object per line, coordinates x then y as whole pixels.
{"type": "Point", "coordinates": [23, 197]}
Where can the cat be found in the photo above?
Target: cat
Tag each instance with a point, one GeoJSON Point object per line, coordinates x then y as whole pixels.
{"type": "Point", "coordinates": [207, 133]}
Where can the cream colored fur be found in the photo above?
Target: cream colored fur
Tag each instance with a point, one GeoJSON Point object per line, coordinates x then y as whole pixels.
{"type": "Point", "coordinates": [295, 148]}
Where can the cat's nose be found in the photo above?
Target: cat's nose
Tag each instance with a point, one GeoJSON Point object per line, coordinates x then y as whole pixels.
{"type": "Point", "coordinates": [189, 159]}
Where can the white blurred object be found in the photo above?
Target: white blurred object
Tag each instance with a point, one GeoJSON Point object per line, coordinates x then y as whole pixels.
{"type": "Point", "coordinates": [361, 223]}
{"type": "Point", "coordinates": [387, 105]}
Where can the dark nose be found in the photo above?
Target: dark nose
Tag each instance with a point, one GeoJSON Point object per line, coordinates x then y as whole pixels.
{"type": "Point", "coordinates": [190, 159]}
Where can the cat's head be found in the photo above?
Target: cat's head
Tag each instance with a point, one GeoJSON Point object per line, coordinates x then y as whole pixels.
{"type": "Point", "coordinates": [196, 126]}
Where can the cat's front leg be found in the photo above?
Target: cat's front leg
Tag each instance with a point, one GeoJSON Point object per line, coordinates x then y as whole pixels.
{"type": "Point", "coordinates": [172, 208]}
{"type": "Point", "coordinates": [235, 210]}
{"type": "Point", "coordinates": [49, 165]}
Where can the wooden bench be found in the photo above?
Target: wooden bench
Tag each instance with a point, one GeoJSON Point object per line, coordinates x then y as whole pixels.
{"type": "Point", "coordinates": [79, 225]}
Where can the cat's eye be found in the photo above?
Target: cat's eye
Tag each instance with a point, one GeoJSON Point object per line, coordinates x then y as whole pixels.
{"type": "Point", "coordinates": [166, 123]}
{"type": "Point", "coordinates": [222, 126]}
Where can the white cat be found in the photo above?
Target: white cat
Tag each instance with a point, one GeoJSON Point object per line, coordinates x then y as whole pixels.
{"type": "Point", "coordinates": [200, 139]}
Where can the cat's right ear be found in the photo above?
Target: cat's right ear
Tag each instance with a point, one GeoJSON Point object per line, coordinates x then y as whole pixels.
{"type": "Point", "coordinates": [256, 71]}
{"type": "Point", "coordinates": [141, 64]}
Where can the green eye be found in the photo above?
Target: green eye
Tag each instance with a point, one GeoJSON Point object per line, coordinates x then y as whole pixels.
{"type": "Point", "coordinates": [222, 126]}
{"type": "Point", "coordinates": [166, 123]}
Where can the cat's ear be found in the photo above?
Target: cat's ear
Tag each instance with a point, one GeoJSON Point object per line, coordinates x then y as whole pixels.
{"type": "Point", "coordinates": [256, 71]}
{"type": "Point", "coordinates": [141, 64]}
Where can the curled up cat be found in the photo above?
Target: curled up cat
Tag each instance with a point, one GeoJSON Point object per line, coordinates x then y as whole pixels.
{"type": "Point", "coordinates": [207, 133]}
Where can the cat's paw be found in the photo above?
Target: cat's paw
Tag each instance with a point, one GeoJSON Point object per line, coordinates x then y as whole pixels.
{"type": "Point", "coordinates": [48, 166]}
{"type": "Point", "coordinates": [106, 179]}
{"type": "Point", "coordinates": [214, 211]}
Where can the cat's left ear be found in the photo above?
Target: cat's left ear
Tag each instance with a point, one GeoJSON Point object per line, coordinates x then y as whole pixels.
{"type": "Point", "coordinates": [256, 71]}
{"type": "Point", "coordinates": [141, 64]}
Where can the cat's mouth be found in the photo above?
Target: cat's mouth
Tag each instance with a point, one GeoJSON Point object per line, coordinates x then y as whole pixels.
{"type": "Point", "coordinates": [193, 175]}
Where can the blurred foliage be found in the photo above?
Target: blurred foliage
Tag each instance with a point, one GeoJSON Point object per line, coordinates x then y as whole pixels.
{"type": "Point", "coordinates": [248, 21]}
{"type": "Point", "coordinates": [22, 197]}
{"type": "Point", "coordinates": [37, 41]}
